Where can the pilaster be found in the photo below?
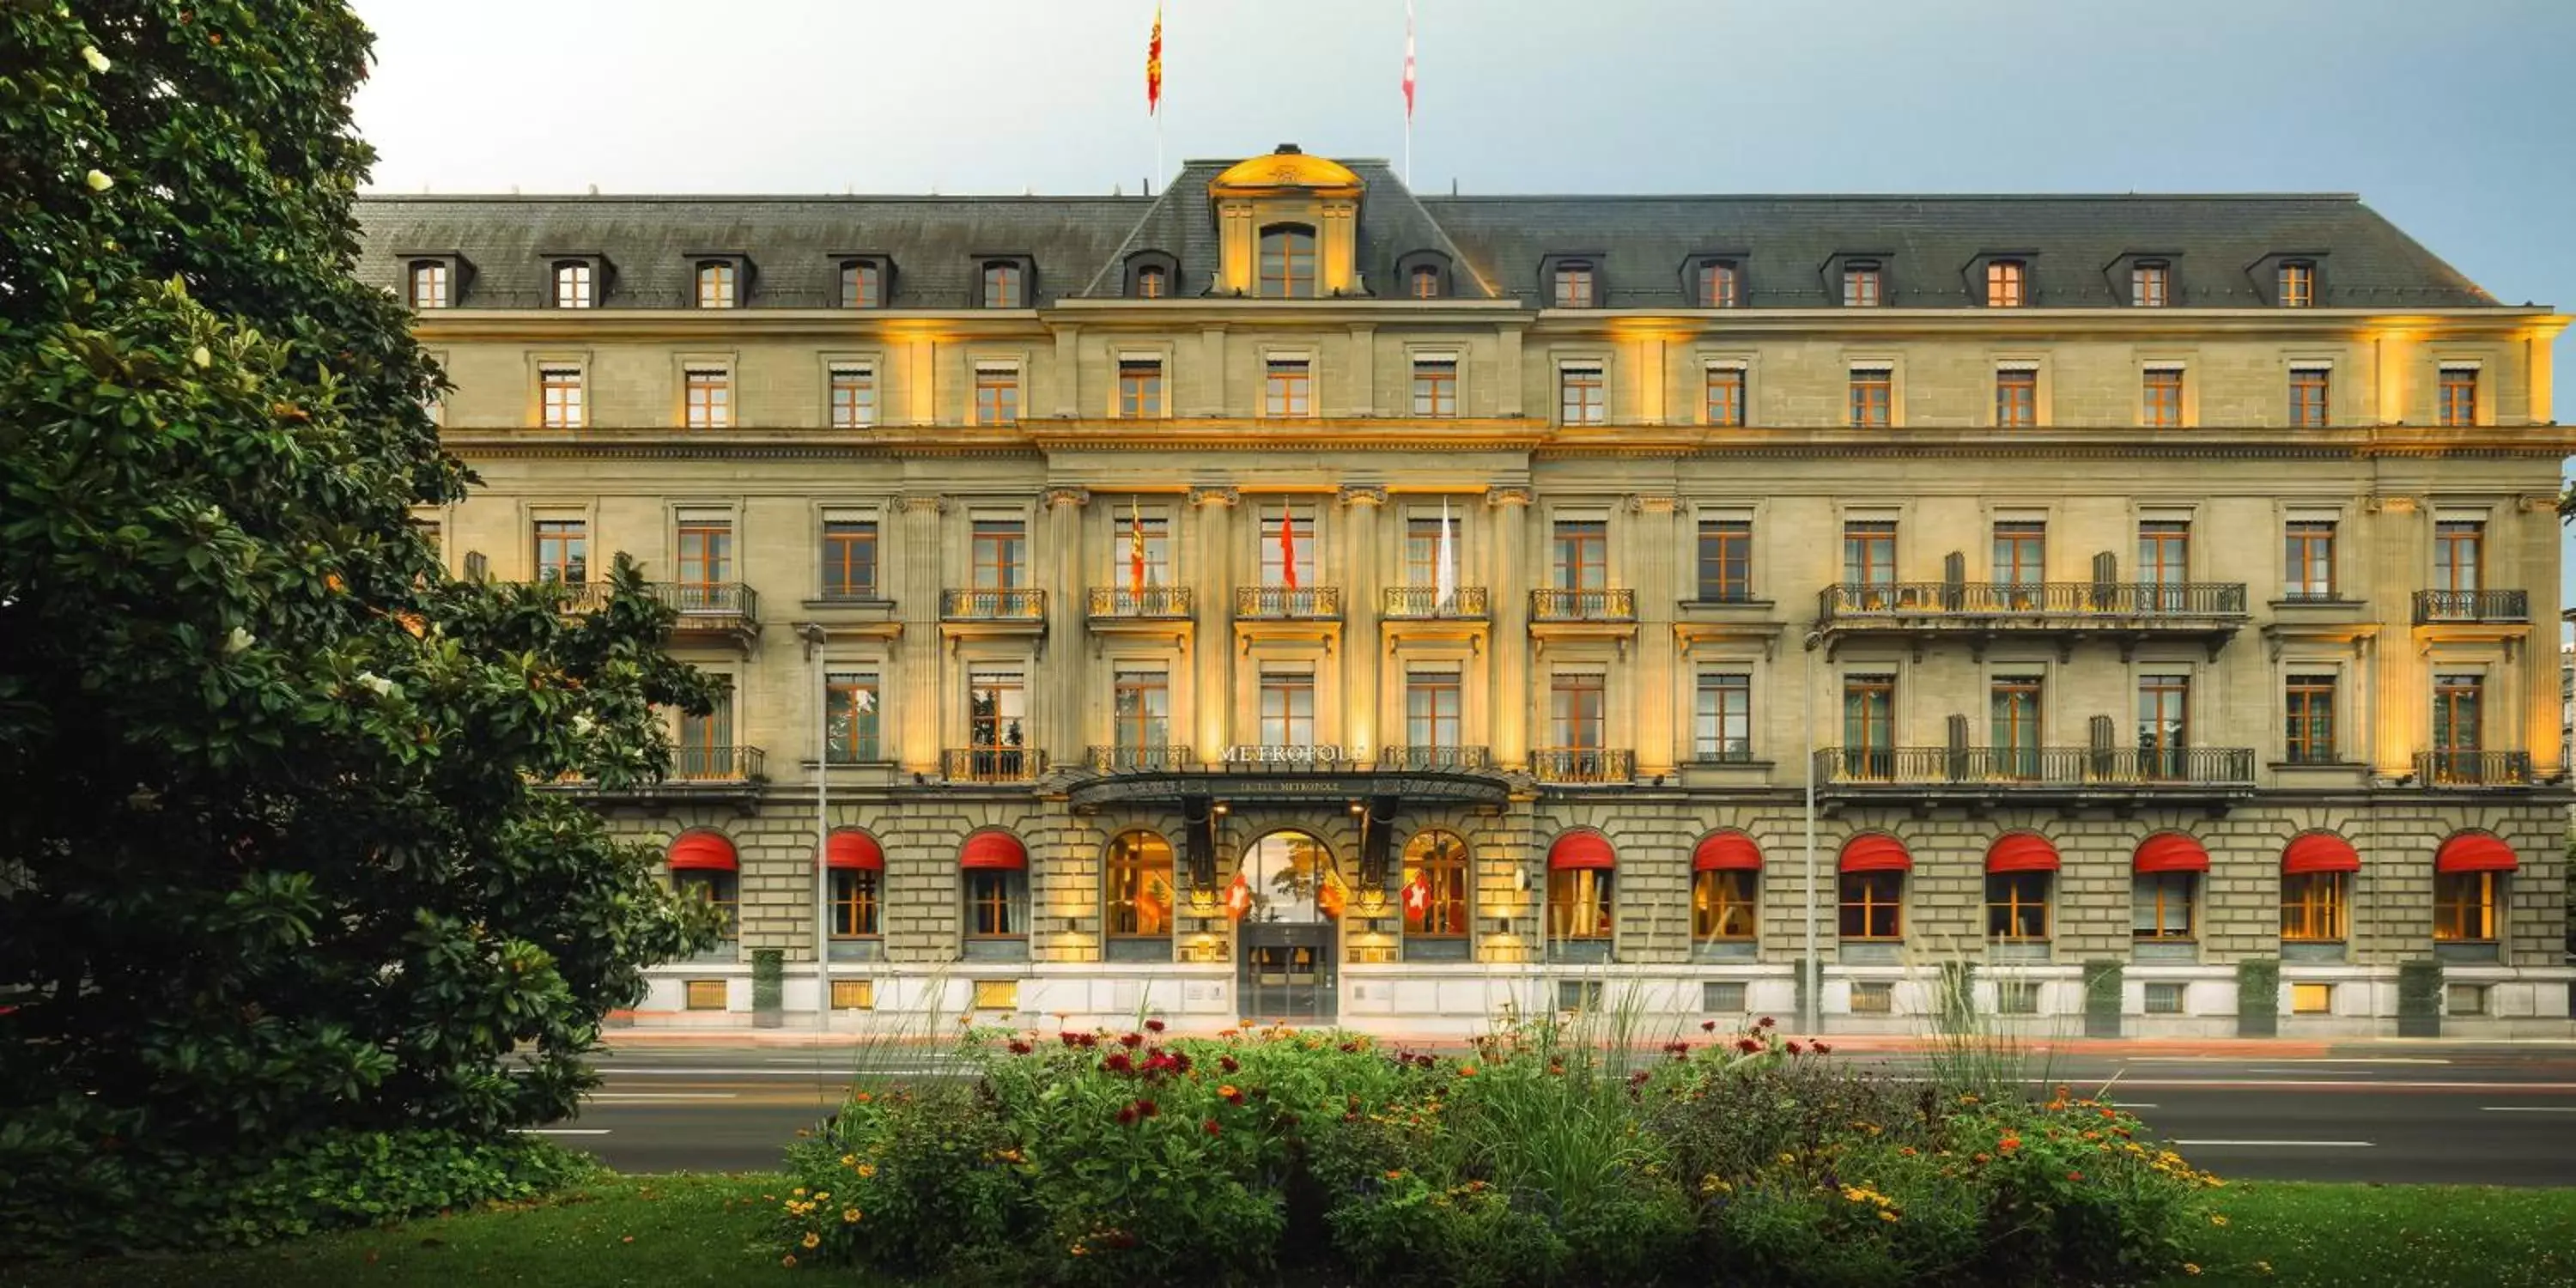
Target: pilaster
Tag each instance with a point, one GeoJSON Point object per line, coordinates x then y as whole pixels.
{"type": "Point", "coordinates": [1362, 661]}
{"type": "Point", "coordinates": [1651, 548]}
{"type": "Point", "coordinates": [1059, 658]}
{"type": "Point", "coordinates": [1212, 555]}
{"type": "Point", "coordinates": [1509, 508]}
{"type": "Point", "coordinates": [922, 717]}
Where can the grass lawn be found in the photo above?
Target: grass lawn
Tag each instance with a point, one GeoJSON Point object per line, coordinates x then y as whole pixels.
{"type": "Point", "coordinates": [695, 1229]}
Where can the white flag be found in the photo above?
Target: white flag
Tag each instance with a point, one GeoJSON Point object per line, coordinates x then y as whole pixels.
{"type": "Point", "coordinates": [1446, 588]}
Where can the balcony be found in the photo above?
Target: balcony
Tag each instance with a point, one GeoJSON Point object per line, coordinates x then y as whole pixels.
{"type": "Point", "coordinates": [2473, 769]}
{"type": "Point", "coordinates": [1435, 760]}
{"type": "Point", "coordinates": [1583, 606]}
{"type": "Point", "coordinates": [1016, 604]}
{"type": "Point", "coordinates": [2209, 613]}
{"type": "Point", "coordinates": [1153, 603]}
{"type": "Point", "coordinates": [1425, 603]}
{"type": "Point", "coordinates": [2477, 607]}
{"type": "Point", "coordinates": [1583, 765]}
{"type": "Point", "coordinates": [725, 610]}
{"type": "Point", "coordinates": [717, 765]}
{"type": "Point", "coordinates": [1990, 772]}
{"type": "Point", "coordinates": [579, 596]}
{"type": "Point", "coordinates": [1142, 760]}
{"type": "Point", "coordinates": [1288, 603]}
{"type": "Point", "coordinates": [697, 773]}
{"type": "Point", "coordinates": [991, 764]}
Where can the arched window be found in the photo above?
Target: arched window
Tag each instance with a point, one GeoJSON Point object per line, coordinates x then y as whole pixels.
{"type": "Point", "coordinates": [1580, 869]}
{"type": "Point", "coordinates": [1005, 286]}
{"type": "Point", "coordinates": [429, 284]}
{"type": "Point", "coordinates": [2020, 867]}
{"type": "Point", "coordinates": [862, 284]}
{"type": "Point", "coordinates": [1570, 286]}
{"type": "Point", "coordinates": [1140, 897]}
{"type": "Point", "coordinates": [716, 285]}
{"type": "Point", "coordinates": [1152, 283]}
{"type": "Point", "coordinates": [1726, 881]}
{"type": "Point", "coordinates": [1288, 262]}
{"type": "Point", "coordinates": [704, 867]}
{"type": "Point", "coordinates": [996, 870]}
{"type": "Point", "coordinates": [2469, 873]}
{"type": "Point", "coordinates": [1425, 283]}
{"type": "Point", "coordinates": [1872, 879]}
{"type": "Point", "coordinates": [1435, 887]}
{"type": "Point", "coordinates": [2316, 888]}
{"type": "Point", "coordinates": [572, 285]}
{"type": "Point", "coordinates": [2164, 889]}
{"type": "Point", "coordinates": [857, 866]}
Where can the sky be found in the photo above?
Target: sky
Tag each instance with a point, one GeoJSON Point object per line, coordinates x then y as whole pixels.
{"type": "Point", "coordinates": [2450, 119]}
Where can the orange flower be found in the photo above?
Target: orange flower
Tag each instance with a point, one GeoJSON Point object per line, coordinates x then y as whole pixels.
{"type": "Point", "coordinates": [2008, 1144]}
{"type": "Point", "coordinates": [1466, 1071]}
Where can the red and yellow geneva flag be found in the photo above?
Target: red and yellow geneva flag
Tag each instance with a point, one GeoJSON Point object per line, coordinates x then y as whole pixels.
{"type": "Point", "coordinates": [1154, 65]}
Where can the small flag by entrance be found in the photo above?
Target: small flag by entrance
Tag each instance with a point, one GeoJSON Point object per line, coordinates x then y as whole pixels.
{"type": "Point", "coordinates": [1238, 898]}
{"type": "Point", "coordinates": [1330, 895]}
{"type": "Point", "coordinates": [1287, 548]}
{"type": "Point", "coordinates": [1417, 895]}
{"type": "Point", "coordinates": [1154, 67]}
{"type": "Point", "coordinates": [1135, 550]}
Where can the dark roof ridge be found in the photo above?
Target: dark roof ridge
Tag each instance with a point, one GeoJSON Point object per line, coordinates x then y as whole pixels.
{"type": "Point", "coordinates": [1895, 196]}
{"type": "Point", "coordinates": [766, 198]}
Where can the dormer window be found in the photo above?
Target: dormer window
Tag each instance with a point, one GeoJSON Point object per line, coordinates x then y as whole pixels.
{"type": "Point", "coordinates": [1425, 283]}
{"type": "Point", "coordinates": [2007, 284]}
{"type": "Point", "coordinates": [1864, 284]}
{"type": "Point", "coordinates": [1005, 285]}
{"type": "Point", "coordinates": [429, 284]}
{"type": "Point", "coordinates": [2298, 284]}
{"type": "Point", "coordinates": [1152, 283]}
{"type": "Point", "coordinates": [1571, 286]}
{"type": "Point", "coordinates": [1721, 284]}
{"type": "Point", "coordinates": [863, 284]}
{"type": "Point", "coordinates": [718, 284]}
{"type": "Point", "coordinates": [1287, 262]}
{"type": "Point", "coordinates": [575, 284]}
{"type": "Point", "coordinates": [2151, 284]}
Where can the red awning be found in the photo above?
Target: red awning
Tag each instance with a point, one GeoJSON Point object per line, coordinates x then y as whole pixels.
{"type": "Point", "coordinates": [2021, 852]}
{"type": "Point", "coordinates": [2170, 852]}
{"type": "Point", "coordinates": [1727, 852]}
{"type": "Point", "coordinates": [2474, 852]}
{"type": "Point", "coordinates": [854, 850]}
{"type": "Point", "coordinates": [1582, 850]}
{"type": "Point", "coordinates": [1876, 852]}
{"type": "Point", "coordinates": [2320, 852]}
{"type": "Point", "coordinates": [993, 850]}
{"type": "Point", "coordinates": [704, 851]}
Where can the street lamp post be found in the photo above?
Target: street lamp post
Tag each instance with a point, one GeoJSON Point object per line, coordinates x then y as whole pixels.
{"type": "Point", "coordinates": [814, 636]}
{"type": "Point", "coordinates": [1812, 1010]}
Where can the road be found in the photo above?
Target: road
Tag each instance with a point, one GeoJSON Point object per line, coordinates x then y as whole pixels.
{"type": "Point", "coordinates": [2490, 1114]}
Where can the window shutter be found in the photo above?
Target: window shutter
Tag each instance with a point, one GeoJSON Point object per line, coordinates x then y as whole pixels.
{"type": "Point", "coordinates": [2104, 731]}
{"type": "Point", "coordinates": [1958, 747]}
{"type": "Point", "coordinates": [1954, 568]}
{"type": "Point", "coordinates": [478, 566]}
{"type": "Point", "coordinates": [2106, 570]}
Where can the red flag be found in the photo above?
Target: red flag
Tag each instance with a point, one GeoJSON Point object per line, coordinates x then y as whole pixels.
{"type": "Point", "coordinates": [1287, 548]}
{"type": "Point", "coordinates": [1154, 67]}
{"type": "Point", "coordinates": [1135, 550]}
{"type": "Point", "coordinates": [1408, 61]}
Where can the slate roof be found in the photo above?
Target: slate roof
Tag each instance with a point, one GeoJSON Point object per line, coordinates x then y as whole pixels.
{"type": "Point", "coordinates": [2218, 245]}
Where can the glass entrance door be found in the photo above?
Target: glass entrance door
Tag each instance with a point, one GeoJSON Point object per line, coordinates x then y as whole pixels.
{"type": "Point", "coordinates": [1286, 942]}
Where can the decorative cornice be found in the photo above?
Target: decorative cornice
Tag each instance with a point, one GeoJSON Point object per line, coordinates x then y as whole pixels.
{"type": "Point", "coordinates": [1205, 496]}
{"type": "Point", "coordinates": [921, 502]}
{"type": "Point", "coordinates": [1509, 494]}
{"type": "Point", "coordinates": [2390, 503]}
{"type": "Point", "coordinates": [1072, 496]}
{"type": "Point", "coordinates": [2536, 502]}
{"type": "Point", "coordinates": [1363, 494]}
{"type": "Point", "coordinates": [1646, 503]}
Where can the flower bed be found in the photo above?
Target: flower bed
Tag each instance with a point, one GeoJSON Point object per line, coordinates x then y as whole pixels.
{"type": "Point", "coordinates": [1545, 1156]}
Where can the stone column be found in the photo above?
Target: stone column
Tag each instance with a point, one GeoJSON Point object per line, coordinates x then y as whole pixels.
{"type": "Point", "coordinates": [1064, 567]}
{"type": "Point", "coordinates": [1212, 561]}
{"type": "Point", "coordinates": [921, 717]}
{"type": "Point", "coordinates": [1651, 547]}
{"type": "Point", "coordinates": [1508, 713]}
{"type": "Point", "coordinates": [1360, 392]}
{"type": "Point", "coordinates": [1362, 657]}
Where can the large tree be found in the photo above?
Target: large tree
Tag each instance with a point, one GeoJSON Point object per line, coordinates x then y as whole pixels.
{"type": "Point", "coordinates": [274, 857]}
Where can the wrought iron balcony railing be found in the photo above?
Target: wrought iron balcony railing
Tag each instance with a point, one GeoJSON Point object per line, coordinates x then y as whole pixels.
{"type": "Point", "coordinates": [1170, 602]}
{"type": "Point", "coordinates": [2473, 768]}
{"type": "Point", "coordinates": [2054, 599]}
{"type": "Point", "coordinates": [1434, 759]}
{"type": "Point", "coordinates": [1288, 603]}
{"type": "Point", "coordinates": [2035, 767]}
{"type": "Point", "coordinates": [1583, 605]}
{"type": "Point", "coordinates": [1727, 751]}
{"type": "Point", "coordinates": [1142, 760]}
{"type": "Point", "coordinates": [729, 600]}
{"type": "Point", "coordinates": [717, 765]}
{"type": "Point", "coordinates": [2472, 606]}
{"type": "Point", "coordinates": [579, 596]}
{"type": "Point", "coordinates": [1017, 604]}
{"type": "Point", "coordinates": [991, 764]}
{"type": "Point", "coordinates": [1583, 765]}
{"type": "Point", "coordinates": [1427, 602]}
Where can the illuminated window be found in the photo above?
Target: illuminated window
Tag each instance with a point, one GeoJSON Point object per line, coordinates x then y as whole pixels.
{"type": "Point", "coordinates": [855, 902]}
{"type": "Point", "coordinates": [2459, 547]}
{"type": "Point", "coordinates": [1725, 904]}
{"type": "Point", "coordinates": [2162, 906]}
{"type": "Point", "coordinates": [2309, 734]}
{"type": "Point", "coordinates": [2466, 905]}
{"type": "Point", "coordinates": [854, 994]}
{"type": "Point", "coordinates": [850, 704]}
{"type": "Point", "coordinates": [849, 559]}
{"type": "Point", "coordinates": [1152, 283]}
{"type": "Point", "coordinates": [703, 995]}
{"type": "Point", "coordinates": [563, 550]}
{"type": "Point", "coordinates": [1140, 894]}
{"type": "Point", "coordinates": [2308, 390]}
{"type": "Point", "coordinates": [1300, 523]}
{"type": "Point", "coordinates": [1571, 285]}
{"type": "Point", "coordinates": [1287, 389]}
{"type": "Point", "coordinates": [572, 285]}
{"type": "Point", "coordinates": [2298, 284]}
{"type": "Point", "coordinates": [2459, 396]}
{"type": "Point", "coordinates": [2308, 559]}
{"type": "Point", "coordinates": [716, 285]}
{"type": "Point", "coordinates": [2007, 284]}
{"type": "Point", "coordinates": [559, 397]}
{"type": "Point", "coordinates": [1435, 387]}
{"type": "Point", "coordinates": [997, 994]}
{"type": "Point", "coordinates": [1434, 893]}
{"type": "Point", "coordinates": [1581, 397]}
{"type": "Point", "coordinates": [1720, 284]}
{"type": "Point", "coordinates": [1577, 711]}
{"type": "Point", "coordinates": [1873, 397]}
{"type": "Point", "coordinates": [1140, 388]}
{"type": "Point", "coordinates": [1578, 903]}
{"type": "Point", "coordinates": [1725, 561]}
{"type": "Point", "coordinates": [1140, 714]}
{"type": "Point", "coordinates": [2312, 999]}
{"type": "Point", "coordinates": [2017, 906]}
{"type": "Point", "coordinates": [2161, 405]}
{"type": "Point", "coordinates": [1863, 286]}
{"type": "Point", "coordinates": [1872, 997]}
{"type": "Point", "coordinates": [1287, 708]}
{"type": "Point", "coordinates": [1725, 397]}
{"type": "Point", "coordinates": [854, 396]}
{"type": "Point", "coordinates": [997, 394]}
{"type": "Point", "coordinates": [2150, 284]}
{"type": "Point", "coordinates": [2016, 398]}
{"type": "Point", "coordinates": [1287, 262]}
{"type": "Point", "coordinates": [429, 285]}
{"type": "Point", "coordinates": [1425, 283]}
{"type": "Point", "coordinates": [1722, 721]}
{"type": "Point", "coordinates": [708, 397]}
{"type": "Point", "coordinates": [862, 284]}
{"type": "Point", "coordinates": [2313, 907]}
{"type": "Point", "coordinates": [1872, 905]}
{"type": "Point", "coordinates": [1005, 286]}
{"type": "Point", "coordinates": [1433, 702]}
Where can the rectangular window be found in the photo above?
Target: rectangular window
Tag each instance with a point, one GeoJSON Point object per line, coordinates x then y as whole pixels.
{"type": "Point", "coordinates": [849, 559]}
{"type": "Point", "coordinates": [1726, 397]}
{"type": "Point", "coordinates": [1869, 727]}
{"type": "Point", "coordinates": [862, 285]}
{"type": "Point", "coordinates": [1141, 711]}
{"type": "Point", "coordinates": [1157, 530]}
{"type": "Point", "coordinates": [997, 394]}
{"type": "Point", "coordinates": [993, 911]}
{"type": "Point", "coordinates": [1577, 711]}
{"type": "Point", "coordinates": [2164, 999]}
{"type": "Point", "coordinates": [2309, 738]}
{"type": "Point", "coordinates": [2308, 386]}
{"type": "Point", "coordinates": [1873, 997]}
{"type": "Point", "coordinates": [850, 717]}
{"type": "Point", "coordinates": [1725, 561]}
{"type": "Point", "coordinates": [1002, 286]}
{"type": "Point", "coordinates": [563, 550]}
{"type": "Point", "coordinates": [2164, 725]}
{"type": "Point", "coordinates": [1579, 902]}
{"type": "Point", "coordinates": [704, 995]}
{"type": "Point", "coordinates": [2312, 999]}
{"type": "Point", "coordinates": [1572, 286]}
{"type": "Point", "coordinates": [704, 749]}
{"type": "Point", "coordinates": [715, 286]}
{"type": "Point", "coordinates": [1581, 397]}
{"type": "Point", "coordinates": [2016, 399]}
{"type": "Point", "coordinates": [2016, 997]}
{"type": "Point", "coordinates": [1580, 550]}
{"type": "Point", "coordinates": [2151, 285]}
{"type": "Point", "coordinates": [559, 396]}
{"type": "Point", "coordinates": [998, 553]}
{"type": "Point", "coordinates": [2162, 906]}
{"type": "Point", "coordinates": [1725, 904]}
{"type": "Point", "coordinates": [1298, 523]}
{"type": "Point", "coordinates": [2459, 405]}
{"type": "Point", "coordinates": [1720, 284]}
{"type": "Point", "coordinates": [2464, 999]}
{"type": "Point", "coordinates": [997, 712]}
{"type": "Point", "coordinates": [2012, 705]}
{"type": "Point", "coordinates": [2021, 549]}
{"type": "Point", "coordinates": [708, 397]}
{"type": "Point", "coordinates": [2458, 738]}
{"type": "Point", "coordinates": [2298, 285]}
{"type": "Point", "coordinates": [2007, 284]}
{"type": "Point", "coordinates": [2459, 546]}
{"type": "Point", "coordinates": [2308, 559]}
{"type": "Point", "coordinates": [1287, 708]}
{"type": "Point", "coordinates": [1435, 387]}
{"type": "Point", "coordinates": [997, 994]}
{"type": "Point", "coordinates": [1869, 561]}
{"type": "Point", "coordinates": [854, 994]}
{"type": "Point", "coordinates": [1433, 702]}
{"type": "Point", "coordinates": [1862, 286]}
{"type": "Point", "coordinates": [1873, 393]}
{"type": "Point", "coordinates": [706, 555]}
{"type": "Point", "coordinates": [1289, 388]}
{"type": "Point", "coordinates": [2017, 906]}
{"type": "Point", "coordinates": [1722, 727]}
{"type": "Point", "coordinates": [1140, 388]}
{"type": "Point", "coordinates": [2162, 407]}
{"type": "Point", "coordinates": [2164, 562]}
{"type": "Point", "coordinates": [2465, 906]}
{"type": "Point", "coordinates": [572, 286]}
{"type": "Point", "coordinates": [429, 285]}
{"type": "Point", "coordinates": [854, 396]}
{"type": "Point", "coordinates": [1723, 997]}
{"type": "Point", "coordinates": [1422, 549]}
{"type": "Point", "coordinates": [1872, 906]}
{"type": "Point", "coordinates": [854, 903]}
{"type": "Point", "coordinates": [2313, 907]}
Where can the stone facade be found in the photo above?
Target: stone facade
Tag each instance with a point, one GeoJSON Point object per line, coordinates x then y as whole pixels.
{"type": "Point", "coordinates": [1365, 452]}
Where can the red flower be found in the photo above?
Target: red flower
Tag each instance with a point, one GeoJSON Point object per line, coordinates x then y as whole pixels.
{"type": "Point", "coordinates": [1153, 1026]}
{"type": "Point", "coordinates": [1070, 1039]}
{"type": "Point", "coordinates": [1147, 1109]}
{"type": "Point", "coordinates": [1748, 1045]}
{"type": "Point", "coordinates": [1821, 1049]}
{"type": "Point", "coordinates": [1765, 1022]}
{"type": "Point", "coordinates": [1637, 1079]}
{"type": "Point", "coordinates": [1228, 1063]}
{"type": "Point", "coordinates": [1127, 1115]}
{"type": "Point", "coordinates": [1020, 1048]}
{"type": "Point", "coordinates": [1212, 1128]}
{"type": "Point", "coordinates": [1118, 1063]}
{"type": "Point", "coordinates": [2075, 1176]}
{"type": "Point", "coordinates": [1708, 1026]}
{"type": "Point", "coordinates": [1677, 1048]}
{"type": "Point", "coordinates": [1090, 1039]}
{"type": "Point", "coordinates": [1792, 1047]}
{"type": "Point", "coordinates": [1180, 1062]}
{"type": "Point", "coordinates": [1131, 1040]}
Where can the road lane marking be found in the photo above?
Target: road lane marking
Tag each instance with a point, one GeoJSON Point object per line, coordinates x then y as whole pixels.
{"type": "Point", "coordinates": [2133, 1104]}
{"type": "Point", "coordinates": [565, 1131]}
{"type": "Point", "coordinates": [2279, 1144]}
{"type": "Point", "coordinates": [663, 1095]}
{"type": "Point", "coordinates": [2529, 1109]}
{"type": "Point", "coordinates": [2321, 1059]}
